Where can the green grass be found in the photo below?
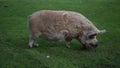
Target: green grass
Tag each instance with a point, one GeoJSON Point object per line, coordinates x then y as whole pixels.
{"type": "Point", "coordinates": [14, 51]}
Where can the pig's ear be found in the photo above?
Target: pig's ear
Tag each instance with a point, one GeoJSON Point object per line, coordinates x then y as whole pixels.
{"type": "Point", "coordinates": [101, 31]}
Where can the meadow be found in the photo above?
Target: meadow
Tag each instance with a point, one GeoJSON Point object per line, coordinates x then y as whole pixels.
{"type": "Point", "coordinates": [14, 50]}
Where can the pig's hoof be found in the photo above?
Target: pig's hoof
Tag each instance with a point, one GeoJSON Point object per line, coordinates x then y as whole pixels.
{"type": "Point", "coordinates": [68, 46]}
{"type": "Point", "coordinates": [36, 45]}
{"type": "Point", "coordinates": [30, 46]}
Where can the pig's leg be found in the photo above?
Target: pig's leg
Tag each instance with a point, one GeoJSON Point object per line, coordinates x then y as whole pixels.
{"type": "Point", "coordinates": [68, 40]}
{"type": "Point", "coordinates": [32, 40]}
{"type": "Point", "coordinates": [35, 43]}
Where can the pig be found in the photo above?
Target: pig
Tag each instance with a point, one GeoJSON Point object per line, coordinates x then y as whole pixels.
{"type": "Point", "coordinates": [54, 25]}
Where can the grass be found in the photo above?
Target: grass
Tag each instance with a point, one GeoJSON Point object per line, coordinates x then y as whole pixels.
{"type": "Point", "coordinates": [14, 51]}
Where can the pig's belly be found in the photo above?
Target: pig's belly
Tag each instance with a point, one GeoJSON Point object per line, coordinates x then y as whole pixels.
{"type": "Point", "coordinates": [52, 36]}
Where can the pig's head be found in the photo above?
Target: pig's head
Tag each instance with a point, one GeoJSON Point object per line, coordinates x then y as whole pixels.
{"type": "Point", "coordinates": [89, 40]}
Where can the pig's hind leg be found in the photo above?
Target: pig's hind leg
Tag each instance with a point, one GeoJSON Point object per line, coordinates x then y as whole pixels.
{"type": "Point", "coordinates": [32, 39]}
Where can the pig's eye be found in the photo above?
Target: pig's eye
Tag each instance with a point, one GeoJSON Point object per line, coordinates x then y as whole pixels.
{"type": "Point", "coordinates": [92, 36]}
